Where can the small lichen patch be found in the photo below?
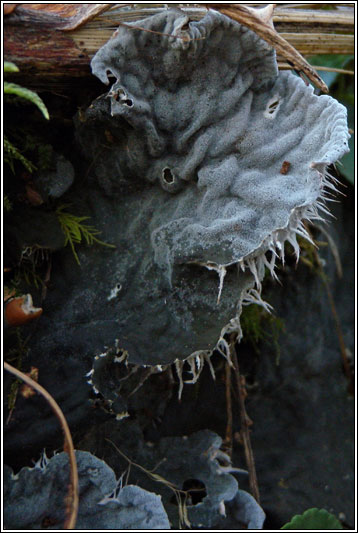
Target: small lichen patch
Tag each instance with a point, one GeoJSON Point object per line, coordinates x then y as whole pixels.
{"type": "Point", "coordinates": [114, 292]}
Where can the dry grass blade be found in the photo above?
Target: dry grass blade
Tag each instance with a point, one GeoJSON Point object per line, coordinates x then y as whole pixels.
{"type": "Point", "coordinates": [72, 503]}
{"type": "Point", "coordinates": [349, 373]}
{"type": "Point", "coordinates": [150, 473]}
{"type": "Point", "coordinates": [180, 494]}
{"type": "Point", "coordinates": [334, 250]}
{"type": "Point", "coordinates": [260, 21]}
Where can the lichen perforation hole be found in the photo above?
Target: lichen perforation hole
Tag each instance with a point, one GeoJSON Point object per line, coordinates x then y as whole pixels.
{"type": "Point", "coordinates": [110, 75]}
{"type": "Point", "coordinates": [120, 96]}
{"type": "Point", "coordinates": [196, 491]}
{"type": "Point", "coordinates": [168, 176]}
{"type": "Point", "coordinates": [272, 107]}
{"type": "Point", "coordinates": [193, 492]}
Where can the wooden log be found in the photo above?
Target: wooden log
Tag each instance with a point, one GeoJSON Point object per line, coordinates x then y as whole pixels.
{"type": "Point", "coordinates": [54, 43]}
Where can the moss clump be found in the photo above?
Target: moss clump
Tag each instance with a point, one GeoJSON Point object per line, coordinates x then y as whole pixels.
{"type": "Point", "coordinates": [259, 326]}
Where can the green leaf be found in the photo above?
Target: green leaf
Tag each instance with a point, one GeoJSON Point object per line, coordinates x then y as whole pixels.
{"type": "Point", "coordinates": [314, 519]}
{"type": "Point", "coordinates": [10, 67]}
{"type": "Point", "coordinates": [348, 160]}
{"type": "Point", "coordinates": [348, 163]}
{"type": "Point", "coordinates": [13, 88]}
{"type": "Point", "coordinates": [339, 61]}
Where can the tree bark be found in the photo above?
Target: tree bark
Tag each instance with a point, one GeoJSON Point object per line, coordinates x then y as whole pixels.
{"type": "Point", "coordinates": [56, 43]}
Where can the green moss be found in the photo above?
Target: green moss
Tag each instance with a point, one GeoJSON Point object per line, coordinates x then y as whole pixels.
{"type": "Point", "coordinates": [309, 255]}
{"type": "Point", "coordinates": [259, 326]}
{"type": "Point", "coordinates": [40, 152]}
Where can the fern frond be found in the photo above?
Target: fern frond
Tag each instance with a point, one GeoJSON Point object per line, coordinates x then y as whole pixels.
{"type": "Point", "coordinates": [22, 92]}
{"type": "Point", "coordinates": [75, 231]}
{"type": "Point", "coordinates": [11, 153]}
{"type": "Point", "coordinates": [7, 203]}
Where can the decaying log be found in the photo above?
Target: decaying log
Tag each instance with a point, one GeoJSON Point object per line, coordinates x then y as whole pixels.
{"type": "Point", "coordinates": [55, 42]}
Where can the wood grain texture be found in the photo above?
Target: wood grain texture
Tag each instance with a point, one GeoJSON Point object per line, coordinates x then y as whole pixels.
{"type": "Point", "coordinates": [57, 41]}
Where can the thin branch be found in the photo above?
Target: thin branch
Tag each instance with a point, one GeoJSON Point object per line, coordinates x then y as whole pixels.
{"type": "Point", "coordinates": [46, 281]}
{"type": "Point", "coordinates": [347, 368]}
{"type": "Point", "coordinates": [334, 250]}
{"type": "Point", "coordinates": [72, 504]}
{"type": "Point", "coordinates": [285, 66]}
{"type": "Point", "coordinates": [245, 422]}
{"type": "Point", "coordinates": [229, 418]}
{"type": "Point", "coordinates": [343, 350]}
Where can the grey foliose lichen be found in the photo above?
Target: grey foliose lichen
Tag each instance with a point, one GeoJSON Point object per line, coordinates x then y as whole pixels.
{"type": "Point", "coordinates": [191, 470]}
{"type": "Point", "coordinates": [57, 179]}
{"type": "Point", "coordinates": [209, 159]}
{"type": "Point", "coordinates": [247, 511]}
{"type": "Point", "coordinates": [197, 458]}
{"type": "Point", "coordinates": [35, 498]}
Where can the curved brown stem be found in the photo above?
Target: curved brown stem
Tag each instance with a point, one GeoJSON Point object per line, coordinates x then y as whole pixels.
{"type": "Point", "coordinates": [245, 422]}
{"type": "Point", "coordinates": [260, 21]}
{"type": "Point", "coordinates": [72, 506]}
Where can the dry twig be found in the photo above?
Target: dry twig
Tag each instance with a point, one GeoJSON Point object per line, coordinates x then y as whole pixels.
{"type": "Point", "coordinates": [318, 266]}
{"type": "Point", "coordinates": [245, 422]}
{"type": "Point", "coordinates": [229, 433]}
{"type": "Point", "coordinates": [346, 365]}
{"type": "Point", "coordinates": [260, 21]}
{"type": "Point", "coordinates": [72, 502]}
{"type": "Point", "coordinates": [180, 495]}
